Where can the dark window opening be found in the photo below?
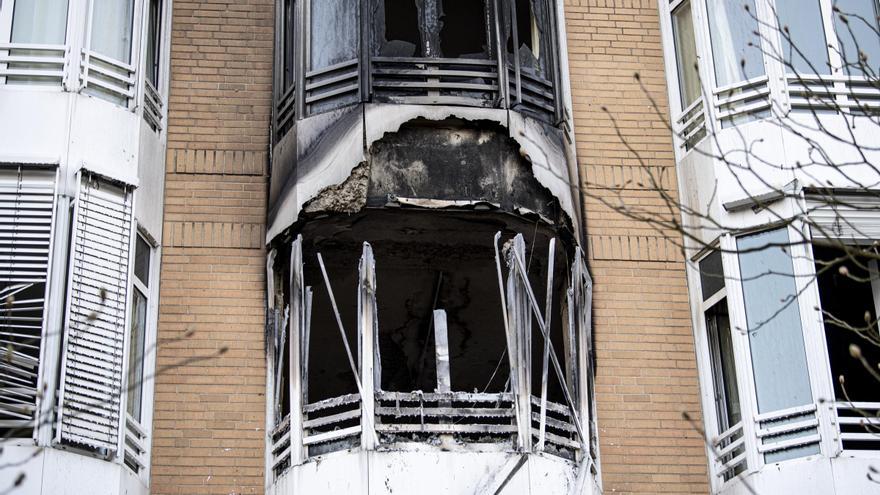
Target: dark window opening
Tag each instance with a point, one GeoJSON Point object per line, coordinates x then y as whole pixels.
{"type": "Point", "coordinates": [464, 32]}
{"type": "Point", "coordinates": [154, 40]}
{"type": "Point", "coordinates": [288, 40]}
{"type": "Point", "coordinates": [528, 33]}
{"type": "Point", "coordinates": [402, 37]}
{"type": "Point", "coordinates": [850, 317]}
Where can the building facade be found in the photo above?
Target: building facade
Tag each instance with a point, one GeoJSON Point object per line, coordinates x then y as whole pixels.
{"type": "Point", "coordinates": [83, 97]}
{"type": "Point", "coordinates": [405, 246]}
{"type": "Point", "coordinates": [774, 112]}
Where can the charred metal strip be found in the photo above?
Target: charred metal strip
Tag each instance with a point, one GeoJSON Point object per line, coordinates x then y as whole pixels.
{"type": "Point", "coordinates": [544, 363]}
{"type": "Point", "coordinates": [441, 349]}
{"type": "Point", "coordinates": [520, 264]}
{"type": "Point", "coordinates": [332, 402]}
{"type": "Point", "coordinates": [501, 283]}
{"type": "Point", "coordinates": [297, 320]}
{"type": "Point", "coordinates": [354, 370]}
{"type": "Point", "coordinates": [514, 34]}
{"type": "Point", "coordinates": [519, 344]}
{"type": "Point", "coordinates": [368, 332]}
{"type": "Point", "coordinates": [280, 341]}
{"type": "Point", "coordinates": [306, 337]}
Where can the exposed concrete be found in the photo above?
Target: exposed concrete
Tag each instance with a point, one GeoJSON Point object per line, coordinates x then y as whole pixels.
{"type": "Point", "coordinates": [348, 197]}
{"type": "Point", "coordinates": [330, 145]}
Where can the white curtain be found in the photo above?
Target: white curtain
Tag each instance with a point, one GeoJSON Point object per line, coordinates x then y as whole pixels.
{"type": "Point", "coordinates": [39, 21]}
{"type": "Point", "coordinates": [732, 28]}
{"type": "Point", "coordinates": [112, 22]}
{"type": "Point", "coordinates": [686, 55]}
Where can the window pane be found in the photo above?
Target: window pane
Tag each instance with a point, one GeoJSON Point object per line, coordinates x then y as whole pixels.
{"type": "Point", "coordinates": [777, 342]}
{"type": "Point", "coordinates": [807, 53]}
{"type": "Point", "coordinates": [136, 354]}
{"type": "Point", "coordinates": [858, 35]}
{"type": "Point", "coordinates": [686, 55]}
{"type": "Point", "coordinates": [732, 29]}
{"type": "Point", "coordinates": [39, 21]}
{"type": "Point", "coordinates": [711, 274]}
{"type": "Point", "coordinates": [334, 31]}
{"type": "Point", "coordinates": [154, 40]}
{"type": "Point", "coordinates": [288, 44]}
{"type": "Point", "coordinates": [723, 367]}
{"type": "Point", "coordinates": [401, 37]}
{"type": "Point", "coordinates": [111, 28]}
{"type": "Point", "coordinates": [464, 31]}
{"type": "Point", "coordinates": [142, 253]}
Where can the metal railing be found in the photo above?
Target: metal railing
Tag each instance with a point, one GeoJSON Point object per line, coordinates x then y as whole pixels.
{"type": "Point", "coordinates": [410, 416]}
{"type": "Point", "coordinates": [332, 424]}
{"type": "Point", "coordinates": [787, 429]}
{"type": "Point", "coordinates": [107, 77]}
{"type": "Point", "coordinates": [435, 81]}
{"type": "Point", "coordinates": [743, 99]}
{"type": "Point", "coordinates": [33, 63]}
{"type": "Point", "coordinates": [136, 456]}
{"type": "Point", "coordinates": [691, 124]}
{"type": "Point", "coordinates": [729, 452]}
{"type": "Point", "coordinates": [859, 425]}
{"type": "Point", "coordinates": [153, 106]}
{"type": "Point", "coordinates": [560, 435]}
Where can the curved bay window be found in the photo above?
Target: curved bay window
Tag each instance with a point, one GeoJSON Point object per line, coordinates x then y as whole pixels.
{"type": "Point", "coordinates": [416, 340]}
{"type": "Point", "coordinates": [484, 53]}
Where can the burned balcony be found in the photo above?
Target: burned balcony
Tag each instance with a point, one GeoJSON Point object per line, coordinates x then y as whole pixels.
{"type": "Point", "coordinates": [482, 53]}
{"type": "Point", "coordinates": [426, 330]}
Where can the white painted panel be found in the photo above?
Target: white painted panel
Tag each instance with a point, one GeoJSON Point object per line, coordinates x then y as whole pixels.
{"type": "Point", "coordinates": [104, 139]}
{"type": "Point", "coordinates": [149, 200]}
{"type": "Point", "coordinates": [33, 126]}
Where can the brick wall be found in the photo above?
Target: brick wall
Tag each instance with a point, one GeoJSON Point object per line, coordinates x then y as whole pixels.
{"type": "Point", "coordinates": [645, 357]}
{"type": "Point", "coordinates": [209, 408]}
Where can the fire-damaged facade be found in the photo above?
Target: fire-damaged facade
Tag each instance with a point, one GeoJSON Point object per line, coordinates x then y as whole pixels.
{"type": "Point", "coordinates": [429, 304]}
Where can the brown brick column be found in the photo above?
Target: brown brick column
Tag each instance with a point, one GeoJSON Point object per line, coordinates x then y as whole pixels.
{"type": "Point", "coordinates": [646, 368]}
{"type": "Point", "coordinates": [209, 413]}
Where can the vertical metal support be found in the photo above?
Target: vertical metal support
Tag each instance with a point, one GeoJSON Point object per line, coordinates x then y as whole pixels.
{"type": "Point", "coordinates": [519, 348]}
{"type": "Point", "coordinates": [441, 350]}
{"type": "Point", "coordinates": [364, 62]}
{"type": "Point", "coordinates": [514, 34]}
{"type": "Point", "coordinates": [300, 44]}
{"type": "Point", "coordinates": [500, 51]}
{"type": "Point", "coordinates": [582, 295]}
{"type": "Point", "coordinates": [368, 330]}
{"type": "Point", "coordinates": [555, 74]}
{"type": "Point", "coordinates": [545, 362]}
{"type": "Point", "coordinates": [297, 322]}
{"type": "Point", "coordinates": [271, 417]}
{"type": "Point", "coordinates": [306, 341]}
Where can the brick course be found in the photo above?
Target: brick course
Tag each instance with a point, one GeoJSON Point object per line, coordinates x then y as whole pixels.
{"type": "Point", "coordinates": [209, 413]}
{"type": "Point", "coordinates": [646, 368]}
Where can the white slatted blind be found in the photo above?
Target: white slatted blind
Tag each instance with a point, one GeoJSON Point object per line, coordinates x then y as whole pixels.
{"type": "Point", "coordinates": [92, 368]}
{"type": "Point", "coordinates": [27, 199]}
{"type": "Point", "coordinates": [843, 217]}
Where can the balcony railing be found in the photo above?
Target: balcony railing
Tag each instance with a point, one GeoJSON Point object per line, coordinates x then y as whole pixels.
{"type": "Point", "coordinates": [136, 455]}
{"type": "Point", "coordinates": [435, 81]}
{"type": "Point", "coordinates": [729, 452]}
{"type": "Point", "coordinates": [408, 416]}
{"type": "Point", "coordinates": [859, 425]}
{"type": "Point", "coordinates": [33, 63]}
{"type": "Point", "coordinates": [108, 77]}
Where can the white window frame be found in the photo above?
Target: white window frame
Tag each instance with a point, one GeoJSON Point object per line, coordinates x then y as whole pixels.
{"type": "Point", "coordinates": [818, 368]}
{"type": "Point", "coordinates": [158, 94]}
{"type": "Point", "coordinates": [7, 8]}
{"type": "Point", "coordinates": [151, 294]}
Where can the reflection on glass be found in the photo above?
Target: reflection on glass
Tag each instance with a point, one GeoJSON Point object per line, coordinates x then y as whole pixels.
{"type": "Point", "coordinates": [39, 21]}
{"type": "Point", "coordinates": [859, 34]}
{"type": "Point", "coordinates": [735, 46]}
{"type": "Point", "coordinates": [686, 55]}
{"type": "Point", "coordinates": [776, 340]}
{"type": "Point", "coordinates": [804, 49]}
{"type": "Point", "coordinates": [136, 354]}
{"type": "Point", "coordinates": [112, 22]}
